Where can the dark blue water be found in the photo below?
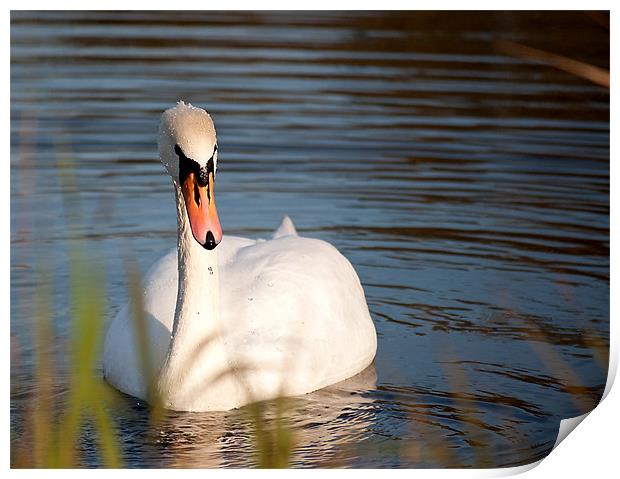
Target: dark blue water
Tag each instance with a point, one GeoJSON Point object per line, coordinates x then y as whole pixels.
{"type": "Point", "coordinates": [469, 189]}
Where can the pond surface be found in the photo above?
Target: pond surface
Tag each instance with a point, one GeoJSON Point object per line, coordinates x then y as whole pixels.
{"type": "Point", "coordinates": [469, 189]}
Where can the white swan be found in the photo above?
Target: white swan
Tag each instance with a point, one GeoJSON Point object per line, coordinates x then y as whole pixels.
{"type": "Point", "coordinates": [245, 321]}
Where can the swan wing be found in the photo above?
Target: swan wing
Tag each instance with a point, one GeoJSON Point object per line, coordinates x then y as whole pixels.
{"type": "Point", "coordinates": [295, 315]}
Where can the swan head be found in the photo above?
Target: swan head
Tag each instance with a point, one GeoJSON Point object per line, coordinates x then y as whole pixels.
{"type": "Point", "coordinates": [188, 150]}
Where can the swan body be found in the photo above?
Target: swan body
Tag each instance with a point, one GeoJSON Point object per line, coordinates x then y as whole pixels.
{"type": "Point", "coordinates": [245, 321]}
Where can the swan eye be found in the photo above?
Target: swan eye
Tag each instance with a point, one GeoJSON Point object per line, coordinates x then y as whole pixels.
{"type": "Point", "coordinates": [186, 165]}
{"type": "Point", "coordinates": [179, 152]}
{"type": "Point", "coordinates": [211, 163]}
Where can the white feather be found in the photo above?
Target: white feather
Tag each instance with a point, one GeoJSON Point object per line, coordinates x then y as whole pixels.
{"type": "Point", "coordinates": [247, 321]}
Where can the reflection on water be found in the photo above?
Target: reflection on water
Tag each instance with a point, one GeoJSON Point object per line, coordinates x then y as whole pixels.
{"type": "Point", "coordinates": [469, 189]}
{"type": "Point", "coordinates": [328, 424]}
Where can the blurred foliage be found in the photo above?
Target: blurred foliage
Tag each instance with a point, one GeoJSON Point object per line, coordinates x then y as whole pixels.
{"type": "Point", "coordinates": [273, 438]}
{"type": "Point", "coordinates": [54, 425]}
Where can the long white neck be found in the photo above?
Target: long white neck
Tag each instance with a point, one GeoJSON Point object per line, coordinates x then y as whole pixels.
{"type": "Point", "coordinates": [198, 289]}
{"type": "Point", "coordinates": [196, 356]}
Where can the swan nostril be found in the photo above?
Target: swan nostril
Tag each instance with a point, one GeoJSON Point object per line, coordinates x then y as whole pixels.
{"type": "Point", "coordinates": [196, 195]}
{"type": "Point", "coordinates": [210, 242]}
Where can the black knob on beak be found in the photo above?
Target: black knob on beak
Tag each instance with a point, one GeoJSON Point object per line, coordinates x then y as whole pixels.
{"type": "Point", "coordinates": [210, 242]}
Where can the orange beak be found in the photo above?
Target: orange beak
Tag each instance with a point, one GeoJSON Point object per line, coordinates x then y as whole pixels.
{"type": "Point", "coordinates": [200, 206]}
